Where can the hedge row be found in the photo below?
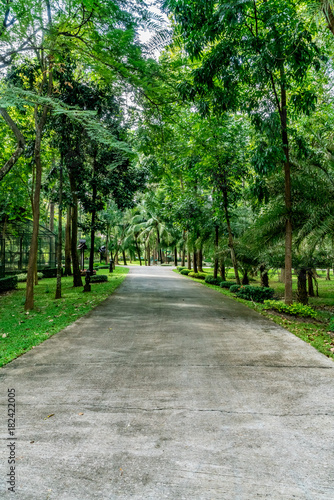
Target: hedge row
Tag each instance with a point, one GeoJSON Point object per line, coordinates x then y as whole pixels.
{"type": "Point", "coordinates": [9, 283]}
{"type": "Point", "coordinates": [99, 278]}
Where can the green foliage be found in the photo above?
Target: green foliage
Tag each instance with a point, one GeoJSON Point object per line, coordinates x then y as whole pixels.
{"type": "Point", "coordinates": [227, 284]}
{"type": "Point", "coordinates": [331, 324]}
{"type": "Point", "coordinates": [50, 272]}
{"type": "Point", "coordinates": [23, 277]}
{"type": "Point", "coordinates": [233, 288]}
{"type": "Point", "coordinates": [294, 309]}
{"type": "Point", "coordinates": [213, 281]}
{"type": "Point", "coordinates": [9, 283]}
{"type": "Point", "coordinates": [99, 278]}
{"type": "Point", "coordinates": [255, 293]}
{"type": "Point", "coordinates": [103, 267]}
{"type": "Point", "coordinates": [180, 268]}
{"type": "Point", "coordinates": [199, 276]}
{"type": "Point", "coordinates": [185, 272]}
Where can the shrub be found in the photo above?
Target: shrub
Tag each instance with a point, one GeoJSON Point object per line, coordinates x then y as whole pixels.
{"type": "Point", "coordinates": [185, 272]}
{"type": "Point", "coordinates": [213, 281]}
{"type": "Point", "coordinates": [199, 276]}
{"type": "Point", "coordinates": [9, 283]}
{"type": "Point", "coordinates": [103, 267]}
{"type": "Point", "coordinates": [23, 277]}
{"type": "Point", "coordinates": [234, 288]}
{"type": "Point", "coordinates": [179, 268]}
{"type": "Point", "coordinates": [255, 293]}
{"type": "Point", "coordinates": [227, 284]}
{"type": "Point", "coordinates": [295, 309]}
{"type": "Point", "coordinates": [50, 272]}
{"type": "Point", "coordinates": [99, 278]}
{"type": "Point", "coordinates": [331, 324]}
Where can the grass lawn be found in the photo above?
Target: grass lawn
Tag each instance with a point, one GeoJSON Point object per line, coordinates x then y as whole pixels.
{"type": "Point", "coordinates": [20, 331]}
{"type": "Point", "coordinates": [313, 332]}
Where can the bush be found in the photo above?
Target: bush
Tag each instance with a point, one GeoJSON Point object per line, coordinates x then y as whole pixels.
{"type": "Point", "coordinates": [213, 281]}
{"type": "Point", "coordinates": [99, 278]}
{"type": "Point", "coordinates": [103, 267]}
{"type": "Point", "coordinates": [295, 309]}
{"type": "Point", "coordinates": [9, 283]}
{"type": "Point", "coordinates": [227, 284]}
{"type": "Point", "coordinates": [331, 324]}
{"type": "Point", "coordinates": [179, 268]}
{"type": "Point", "coordinates": [234, 288]}
{"type": "Point", "coordinates": [23, 277]}
{"type": "Point", "coordinates": [185, 272]}
{"type": "Point", "coordinates": [255, 293]}
{"type": "Point", "coordinates": [50, 272]}
{"type": "Point", "coordinates": [199, 276]}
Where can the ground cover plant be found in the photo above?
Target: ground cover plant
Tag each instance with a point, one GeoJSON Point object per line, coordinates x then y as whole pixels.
{"type": "Point", "coordinates": [22, 330]}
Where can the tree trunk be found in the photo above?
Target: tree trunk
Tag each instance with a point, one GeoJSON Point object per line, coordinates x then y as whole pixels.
{"type": "Point", "coordinates": [107, 245]}
{"type": "Point", "coordinates": [60, 234]}
{"type": "Point", "coordinates": [189, 260]}
{"type": "Point", "coordinates": [245, 279]}
{"type": "Point", "coordinates": [68, 271]}
{"type": "Point", "coordinates": [40, 122]}
{"type": "Point", "coordinates": [281, 277]}
{"type": "Point", "coordinates": [195, 261]}
{"type": "Point", "coordinates": [148, 255]}
{"type": "Point", "coordinates": [32, 263]}
{"type": "Point", "coordinates": [138, 252]}
{"type": "Point", "coordinates": [200, 260]}
{"type": "Point", "coordinates": [287, 192]}
{"type": "Point", "coordinates": [216, 265]}
{"type": "Point", "coordinates": [77, 281]}
{"type": "Point", "coordinates": [222, 271]}
{"type": "Point", "coordinates": [124, 257]}
{"type": "Point", "coordinates": [328, 15]}
{"type": "Point", "coordinates": [264, 276]}
{"type": "Point", "coordinates": [175, 256]}
{"type": "Point", "coordinates": [328, 276]}
{"type": "Point", "coordinates": [302, 291]}
{"type": "Point", "coordinates": [230, 238]}
{"type": "Point", "coordinates": [92, 228]}
{"type": "Point", "coordinates": [183, 258]}
{"type": "Point", "coordinates": [310, 283]}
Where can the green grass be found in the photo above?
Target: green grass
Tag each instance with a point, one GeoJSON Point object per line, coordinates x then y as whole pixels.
{"type": "Point", "coordinates": [21, 331]}
{"type": "Point", "coordinates": [313, 333]}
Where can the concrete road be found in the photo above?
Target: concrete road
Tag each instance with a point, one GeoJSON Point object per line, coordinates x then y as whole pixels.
{"type": "Point", "coordinates": [169, 390]}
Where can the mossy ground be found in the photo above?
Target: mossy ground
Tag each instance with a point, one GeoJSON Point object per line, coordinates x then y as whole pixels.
{"type": "Point", "coordinates": [21, 331]}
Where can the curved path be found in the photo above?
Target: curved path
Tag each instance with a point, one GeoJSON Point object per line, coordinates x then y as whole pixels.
{"type": "Point", "coordinates": [170, 390]}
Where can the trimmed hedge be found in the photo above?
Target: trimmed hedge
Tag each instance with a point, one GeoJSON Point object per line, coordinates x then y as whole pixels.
{"type": "Point", "coordinates": [50, 272]}
{"type": "Point", "coordinates": [255, 293]}
{"type": "Point", "coordinates": [99, 278]}
{"type": "Point", "coordinates": [235, 288]}
{"type": "Point", "coordinates": [185, 272]}
{"type": "Point", "coordinates": [180, 268]}
{"type": "Point", "coordinates": [213, 281]}
{"type": "Point", "coordinates": [227, 284]}
{"type": "Point", "coordinates": [9, 283]}
{"type": "Point", "coordinates": [103, 267]}
{"type": "Point", "coordinates": [199, 276]}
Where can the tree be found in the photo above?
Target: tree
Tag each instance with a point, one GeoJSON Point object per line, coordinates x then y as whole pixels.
{"type": "Point", "coordinates": [253, 56]}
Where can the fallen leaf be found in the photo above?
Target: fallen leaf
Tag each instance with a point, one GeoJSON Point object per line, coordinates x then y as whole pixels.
{"type": "Point", "coordinates": [31, 442]}
{"type": "Point", "coordinates": [80, 413]}
{"type": "Point", "coordinates": [51, 415]}
{"type": "Point", "coordinates": [4, 335]}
